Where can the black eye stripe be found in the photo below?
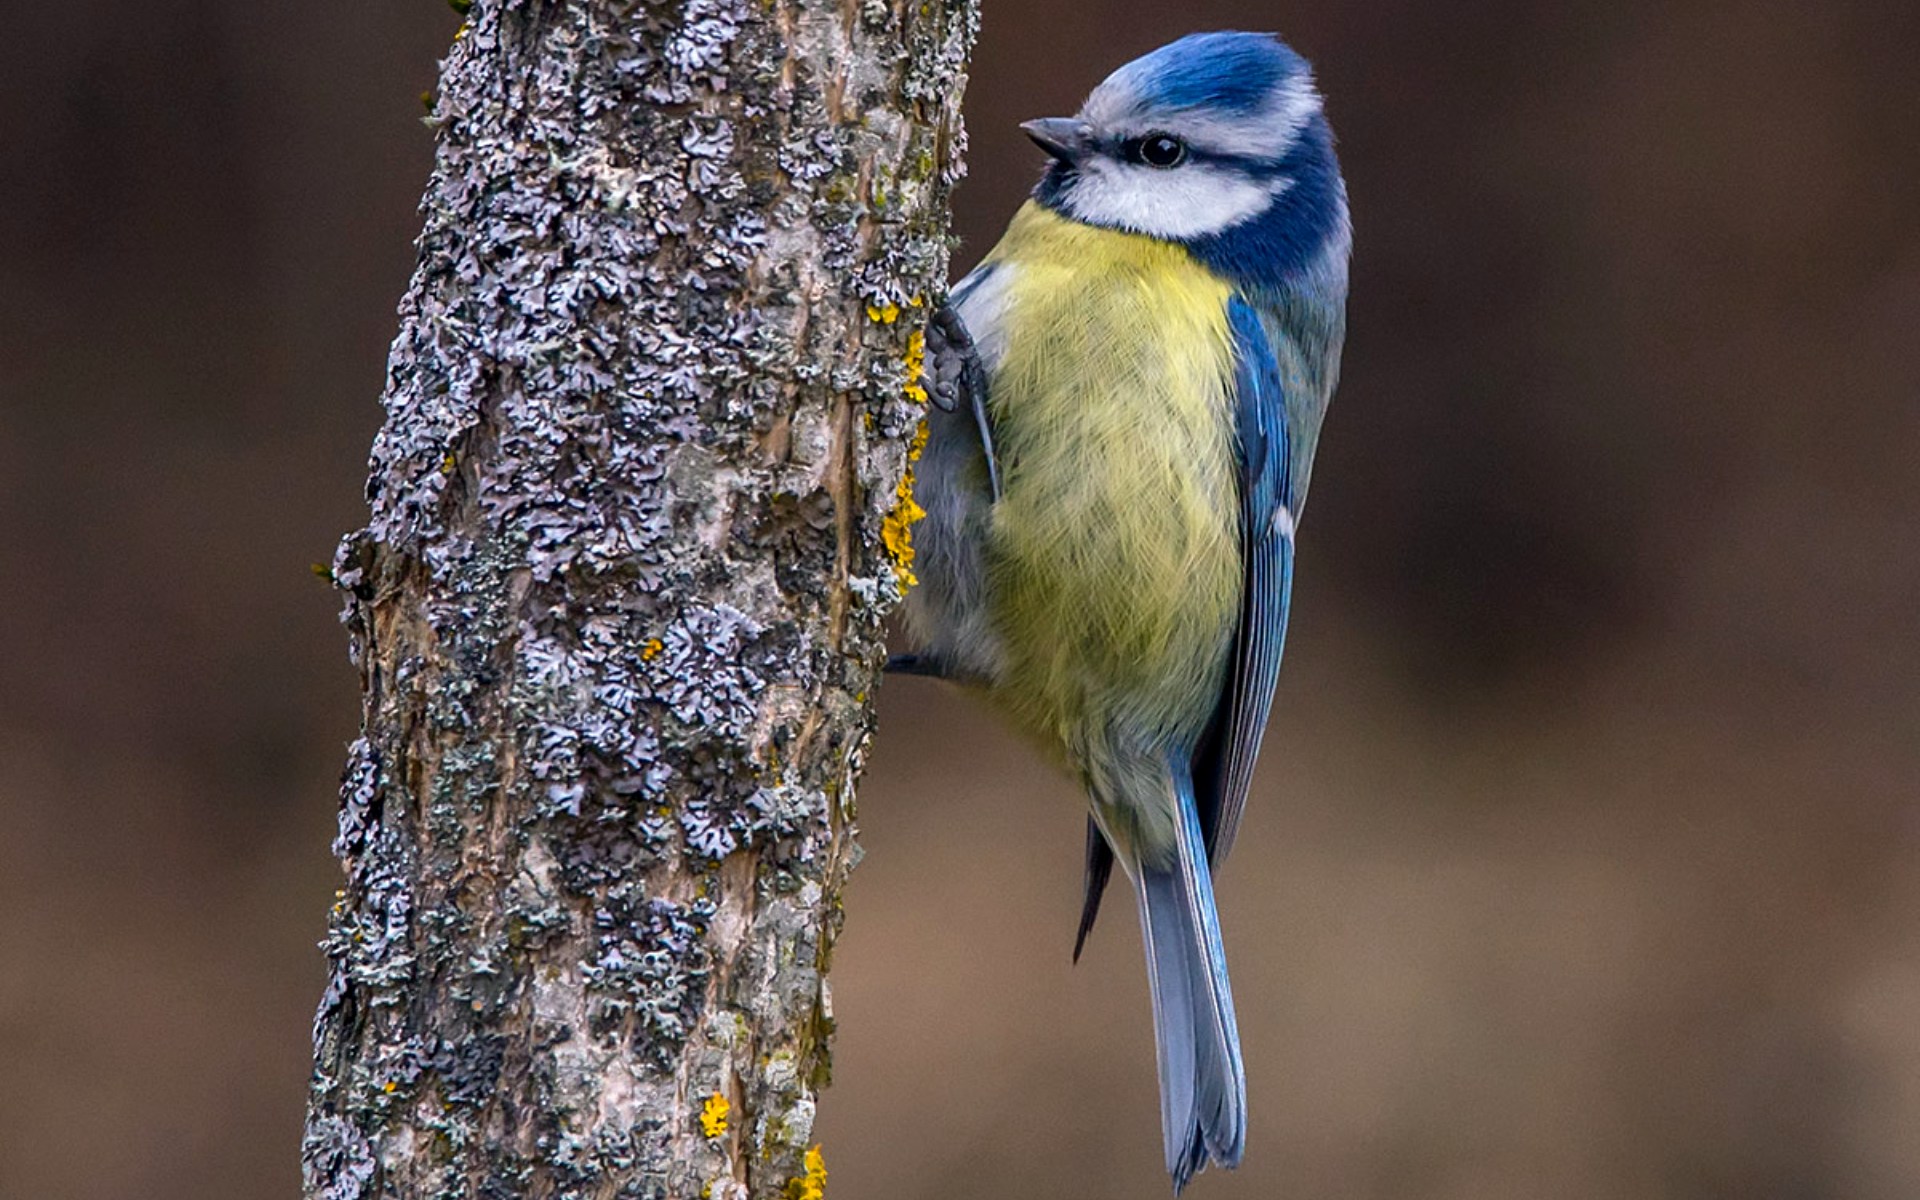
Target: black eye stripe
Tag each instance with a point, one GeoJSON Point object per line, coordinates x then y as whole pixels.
{"type": "Point", "coordinates": [1161, 150]}
{"type": "Point", "coordinates": [1253, 166]}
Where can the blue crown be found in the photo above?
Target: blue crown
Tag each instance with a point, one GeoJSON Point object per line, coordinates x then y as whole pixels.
{"type": "Point", "coordinates": [1233, 71]}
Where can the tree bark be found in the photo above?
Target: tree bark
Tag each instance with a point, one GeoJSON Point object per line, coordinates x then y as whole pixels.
{"type": "Point", "coordinates": [639, 507]}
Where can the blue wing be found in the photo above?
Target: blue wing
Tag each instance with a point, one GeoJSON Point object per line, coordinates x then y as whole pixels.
{"type": "Point", "coordinates": [1224, 768]}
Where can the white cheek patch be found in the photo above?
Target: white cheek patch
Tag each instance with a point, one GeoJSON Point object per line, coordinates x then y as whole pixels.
{"type": "Point", "coordinates": [1176, 204]}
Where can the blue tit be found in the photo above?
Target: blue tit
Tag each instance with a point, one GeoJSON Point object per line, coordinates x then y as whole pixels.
{"type": "Point", "coordinates": [1107, 551]}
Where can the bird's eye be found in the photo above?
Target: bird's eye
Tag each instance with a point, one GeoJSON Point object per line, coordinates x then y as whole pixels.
{"type": "Point", "coordinates": [1161, 150]}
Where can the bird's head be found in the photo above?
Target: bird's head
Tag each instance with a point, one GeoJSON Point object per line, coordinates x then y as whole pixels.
{"type": "Point", "coordinates": [1201, 137]}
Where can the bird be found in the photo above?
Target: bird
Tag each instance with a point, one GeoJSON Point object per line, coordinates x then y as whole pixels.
{"type": "Point", "coordinates": [1128, 391]}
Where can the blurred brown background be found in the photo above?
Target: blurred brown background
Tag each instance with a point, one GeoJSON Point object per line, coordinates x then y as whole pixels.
{"type": "Point", "coordinates": [1584, 863]}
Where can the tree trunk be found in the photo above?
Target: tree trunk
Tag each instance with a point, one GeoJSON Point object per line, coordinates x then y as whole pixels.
{"type": "Point", "coordinates": [638, 512]}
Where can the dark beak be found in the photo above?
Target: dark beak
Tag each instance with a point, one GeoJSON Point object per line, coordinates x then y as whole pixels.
{"type": "Point", "coordinates": [1066, 138]}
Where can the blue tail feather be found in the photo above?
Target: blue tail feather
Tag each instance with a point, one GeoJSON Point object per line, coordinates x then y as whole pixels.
{"type": "Point", "coordinates": [1203, 1090]}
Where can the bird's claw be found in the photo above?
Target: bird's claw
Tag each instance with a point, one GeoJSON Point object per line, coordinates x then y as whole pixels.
{"type": "Point", "coordinates": [950, 353]}
{"type": "Point", "coordinates": [960, 380]}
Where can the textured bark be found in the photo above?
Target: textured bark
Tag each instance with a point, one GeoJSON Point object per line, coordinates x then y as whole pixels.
{"type": "Point", "coordinates": [617, 609]}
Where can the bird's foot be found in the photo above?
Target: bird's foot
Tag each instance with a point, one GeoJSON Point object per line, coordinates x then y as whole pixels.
{"type": "Point", "coordinates": [954, 364]}
{"type": "Point", "coordinates": [959, 379]}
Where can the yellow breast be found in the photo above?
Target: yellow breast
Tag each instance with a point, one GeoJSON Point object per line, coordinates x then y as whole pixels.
{"type": "Point", "coordinates": [1114, 553]}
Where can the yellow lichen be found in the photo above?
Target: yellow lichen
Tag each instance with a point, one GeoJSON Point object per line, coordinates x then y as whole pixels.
{"type": "Point", "coordinates": [896, 530]}
{"type": "Point", "coordinates": [884, 314]}
{"type": "Point", "coordinates": [916, 366]}
{"type": "Point", "coordinates": [812, 1185]}
{"type": "Point", "coordinates": [650, 648]}
{"type": "Point", "coordinates": [713, 1115]}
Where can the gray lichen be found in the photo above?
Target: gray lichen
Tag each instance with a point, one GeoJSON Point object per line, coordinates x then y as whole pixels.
{"type": "Point", "coordinates": [617, 606]}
